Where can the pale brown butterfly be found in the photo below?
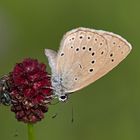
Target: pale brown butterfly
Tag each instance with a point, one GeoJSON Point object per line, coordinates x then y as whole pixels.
{"type": "Point", "coordinates": [84, 56]}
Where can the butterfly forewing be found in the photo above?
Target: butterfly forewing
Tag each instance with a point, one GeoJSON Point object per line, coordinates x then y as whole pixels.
{"type": "Point", "coordinates": [81, 56]}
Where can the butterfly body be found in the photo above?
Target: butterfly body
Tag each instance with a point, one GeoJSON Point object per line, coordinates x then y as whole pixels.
{"type": "Point", "coordinates": [84, 56]}
{"type": "Point", "coordinates": [59, 90]}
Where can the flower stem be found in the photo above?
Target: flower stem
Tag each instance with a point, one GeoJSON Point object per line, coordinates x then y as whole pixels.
{"type": "Point", "coordinates": [30, 132]}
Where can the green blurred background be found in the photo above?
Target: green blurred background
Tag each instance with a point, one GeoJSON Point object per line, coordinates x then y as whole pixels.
{"type": "Point", "coordinates": [109, 109]}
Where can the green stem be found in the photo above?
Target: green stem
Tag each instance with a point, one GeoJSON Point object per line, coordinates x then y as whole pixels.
{"type": "Point", "coordinates": [30, 132]}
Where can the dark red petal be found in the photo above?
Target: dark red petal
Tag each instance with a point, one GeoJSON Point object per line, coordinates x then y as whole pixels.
{"type": "Point", "coordinates": [46, 91]}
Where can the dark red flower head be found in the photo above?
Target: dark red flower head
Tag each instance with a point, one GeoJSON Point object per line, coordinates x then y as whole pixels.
{"type": "Point", "coordinates": [30, 90]}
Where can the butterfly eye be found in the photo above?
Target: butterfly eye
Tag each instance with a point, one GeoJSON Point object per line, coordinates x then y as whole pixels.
{"type": "Point", "coordinates": [111, 54]}
{"type": "Point", "coordinates": [63, 98]}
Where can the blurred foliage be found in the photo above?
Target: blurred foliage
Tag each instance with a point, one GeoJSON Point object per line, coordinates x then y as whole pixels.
{"type": "Point", "coordinates": [109, 109]}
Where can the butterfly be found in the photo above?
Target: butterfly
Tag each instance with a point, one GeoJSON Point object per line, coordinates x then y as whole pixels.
{"type": "Point", "coordinates": [85, 55]}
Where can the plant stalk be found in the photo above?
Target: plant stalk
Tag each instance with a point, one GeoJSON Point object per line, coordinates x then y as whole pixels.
{"type": "Point", "coordinates": [31, 132]}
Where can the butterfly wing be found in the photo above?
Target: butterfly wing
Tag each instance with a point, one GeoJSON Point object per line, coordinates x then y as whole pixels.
{"type": "Point", "coordinates": [85, 55]}
{"type": "Point", "coordinates": [52, 57]}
